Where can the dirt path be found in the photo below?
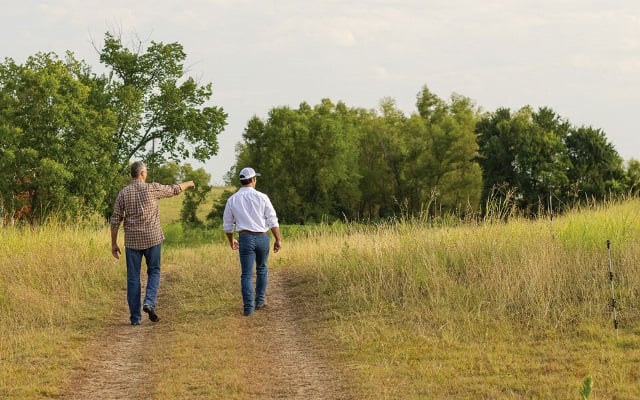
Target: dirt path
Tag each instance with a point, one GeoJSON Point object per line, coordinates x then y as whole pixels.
{"type": "Point", "coordinates": [298, 369]}
{"type": "Point", "coordinates": [114, 367]}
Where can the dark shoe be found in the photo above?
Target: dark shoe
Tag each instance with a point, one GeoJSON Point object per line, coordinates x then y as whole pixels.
{"type": "Point", "coordinates": [152, 313]}
{"type": "Point", "coordinates": [261, 306]}
{"type": "Point", "coordinates": [135, 323]}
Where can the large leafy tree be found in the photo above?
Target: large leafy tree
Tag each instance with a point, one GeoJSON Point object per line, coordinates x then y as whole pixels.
{"type": "Point", "coordinates": [525, 151]}
{"type": "Point", "coordinates": [338, 162]}
{"type": "Point", "coordinates": [308, 159]}
{"type": "Point", "coordinates": [541, 159]}
{"type": "Point", "coordinates": [55, 142]}
{"type": "Point", "coordinates": [67, 135]}
{"type": "Point", "coordinates": [441, 171]}
{"type": "Point", "coordinates": [276, 148]}
{"type": "Point", "coordinates": [382, 155]}
{"type": "Point", "coordinates": [332, 160]}
{"type": "Point", "coordinates": [596, 168]}
{"type": "Point", "coordinates": [497, 141]}
{"type": "Point", "coordinates": [10, 137]}
{"type": "Point", "coordinates": [161, 113]}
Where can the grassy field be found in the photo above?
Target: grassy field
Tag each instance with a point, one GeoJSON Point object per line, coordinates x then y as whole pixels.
{"type": "Point", "coordinates": [170, 208]}
{"type": "Point", "coordinates": [480, 311]}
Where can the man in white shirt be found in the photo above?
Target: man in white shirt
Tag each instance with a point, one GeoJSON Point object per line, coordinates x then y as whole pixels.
{"type": "Point", "coordinates": [252, 215]}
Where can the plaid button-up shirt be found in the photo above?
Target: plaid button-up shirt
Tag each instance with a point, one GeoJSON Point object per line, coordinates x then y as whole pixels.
{"type": "Point", "coordinates": [137, 206]}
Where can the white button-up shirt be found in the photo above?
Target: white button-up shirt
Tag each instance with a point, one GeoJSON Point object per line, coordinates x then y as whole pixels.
{"type": "Point", "coordinates": [249, 210]}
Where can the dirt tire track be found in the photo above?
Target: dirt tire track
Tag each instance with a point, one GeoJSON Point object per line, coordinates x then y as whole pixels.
{"type": "Point", "coordinates": [114, 366]}
{"type": "Point", "coordinates": [298, 368]}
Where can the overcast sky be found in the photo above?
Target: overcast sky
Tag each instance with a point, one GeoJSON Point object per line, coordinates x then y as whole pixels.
{"type": "Point", "coordinates": [579, 57]}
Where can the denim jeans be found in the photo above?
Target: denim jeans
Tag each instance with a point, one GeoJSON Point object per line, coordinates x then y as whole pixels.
{"type": "Point", "coordinates": [253, 249]}
{"type": "Point", "coordinates": [134, 262]}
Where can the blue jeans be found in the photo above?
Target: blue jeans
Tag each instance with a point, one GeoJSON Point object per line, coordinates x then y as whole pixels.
{"type": "Point", "coordinates": [253, 249]}
{"type": "Point", "coordinates": [134, 262]}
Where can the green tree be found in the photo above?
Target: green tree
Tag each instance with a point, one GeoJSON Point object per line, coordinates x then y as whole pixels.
{"type": "Point", "coordinates": [194, 198]}
{"type": "Point", "coordinates": [596, 168]}
{"type": "Point", "coordinates": [541, 157]}
{"type": "Point", "coordinates": [441, 172]}
{"type": "Point", "coordinates": [167, 173]}
{"type": "Point", "coordinates": [275, 148]}
{"type": "Point", "coordinates": [332, 157]}
{"type": "Point", "coordinates": [10, 136]}
{"type": "Point", "coordinates": [497, 141]}
{"type": "Point", "coordinates": [161, 113]}
{"type": "Point", "coordinates": [382, 155]}
{"type": "Point", "coordinates": [67, 135]}
{"type": "Point", "coordinates": [632, 174]}
{"type": "Point", "coordinates": [308, 160]}
{"type": "Point", "coordinates": [55, 143]}
{"type": "Point", "coordinates": [527, 152]}
{"type": "Point", "coordinates": [332, 161]}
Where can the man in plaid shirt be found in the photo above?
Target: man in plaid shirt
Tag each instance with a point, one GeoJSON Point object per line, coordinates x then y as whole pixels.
{"type": "Point", "coordinates": [137, 206]}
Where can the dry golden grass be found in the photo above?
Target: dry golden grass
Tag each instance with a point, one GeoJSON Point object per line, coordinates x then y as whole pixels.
{"type": "Point", "coordinates": [56, 285]}
{"type": "Point", "coordinates": [495, 311]}
{"type": "Point", "coordinates": [501, 311]}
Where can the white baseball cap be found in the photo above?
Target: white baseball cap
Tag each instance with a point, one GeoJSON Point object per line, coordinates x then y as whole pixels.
{"type": "Point", "coordinates": [248, 173]}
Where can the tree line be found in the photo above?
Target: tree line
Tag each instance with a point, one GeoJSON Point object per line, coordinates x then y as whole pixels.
{"type": "Point", "coordinates": [447, 158]}
{"type": "Point", "coordinates": [67, 136]}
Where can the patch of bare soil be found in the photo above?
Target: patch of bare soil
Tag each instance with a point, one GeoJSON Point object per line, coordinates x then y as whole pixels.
{"type": "Point", "coordinates": [113, 366]}
{"type": "Point", "coordinates": [296, 367]}
{"type": "Point", "coordinates": [289, 365]}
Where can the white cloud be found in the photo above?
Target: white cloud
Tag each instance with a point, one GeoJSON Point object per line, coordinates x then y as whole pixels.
{"type": "Point", "coordinates": [381, 72]}
{"type": "Point", "coordinates": [52, 10]}
{"type": "Point", "coordinates": [341, 37]}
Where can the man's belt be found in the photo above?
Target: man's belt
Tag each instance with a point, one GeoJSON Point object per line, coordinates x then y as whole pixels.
{"type": "Point", "coordinates": [251, 233]}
